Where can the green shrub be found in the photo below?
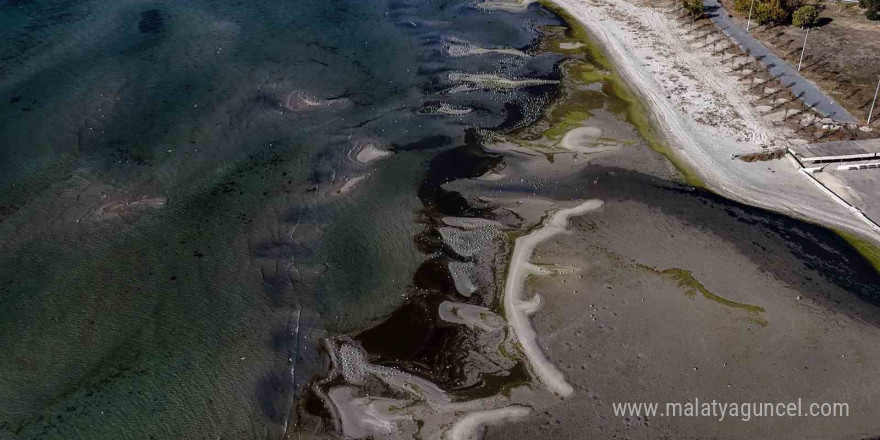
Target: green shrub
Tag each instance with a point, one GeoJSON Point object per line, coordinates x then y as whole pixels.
{"type": "Point", "coordinates": [805, 17]}
{"type": "Point", "coordinates": [771, 11]}
{"type": "Point", "coordinates": [742, 6]}
{"type": "Point", "coordinates": [693, 7]}
{"type": "Point", "coordinates": [873, 9]}
{"type": "Point", "coordinates": [794, 5]}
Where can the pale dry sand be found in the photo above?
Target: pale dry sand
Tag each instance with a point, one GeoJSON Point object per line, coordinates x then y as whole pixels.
{"type": "Point", "coordinates": [568, 46]}
{"type": "Point", "coordinates": [470, 315]}
{"type": "Point", "coordinates": [587, 140]}
{"type": "Point", "coordinates": [471, 426]}
{"type": "Point", "coordinates": [418, 409]}
{"type": "Point", "coordinates": [704, 112]}
{"type": "Point", "coordinates": [462, 278]}
{"type": "Point", "coordinates": [453, 110]}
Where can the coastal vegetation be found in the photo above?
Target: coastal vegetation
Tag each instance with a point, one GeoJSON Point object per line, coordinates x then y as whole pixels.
{"type": "Point", "coordinates": [872, 8]}
{"type": "Point", "coordinates": [772, 11]}
{"type": "Point", "coordinates": [805, 17]}
{"type": "Point", "coordinates": [694, 8]}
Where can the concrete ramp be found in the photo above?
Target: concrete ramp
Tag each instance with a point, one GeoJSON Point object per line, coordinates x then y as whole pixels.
{"type": "Point", "coordinates": [838, 151]}
{"type": "Point", "coordinates": [849, 170]}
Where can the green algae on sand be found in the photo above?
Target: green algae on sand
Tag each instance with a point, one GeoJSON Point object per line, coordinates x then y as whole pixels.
{"type": "Point", "coordinates": [867, 249]}
{"type": "Point", "coordinates": [686, 280]}
{"type": "Point", "coordinates": [578, 43]}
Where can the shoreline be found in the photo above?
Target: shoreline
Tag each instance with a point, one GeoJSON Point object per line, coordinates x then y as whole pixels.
{"type": "Point", "coordinates": [503, 397]}
{"type": "Point", "coordinates": [705, 150]}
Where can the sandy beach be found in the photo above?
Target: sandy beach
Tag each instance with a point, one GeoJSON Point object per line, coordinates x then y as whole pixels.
{"type": "Point", "coordinates": [704, 112]}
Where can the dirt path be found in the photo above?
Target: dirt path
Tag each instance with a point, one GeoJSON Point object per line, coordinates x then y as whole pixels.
{"type": "Point", "coordinates": [779, 68]}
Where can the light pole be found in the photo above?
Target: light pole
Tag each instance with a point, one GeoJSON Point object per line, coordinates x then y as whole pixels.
{"type": "Point", "coordinates": [804, 49]}
{"type": "Point", "coordinates": [749, 24]}
{"type": "Point", "coordinates": [871, 113]}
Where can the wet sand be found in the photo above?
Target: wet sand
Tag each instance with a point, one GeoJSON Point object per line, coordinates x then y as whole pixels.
{"type": "Point", "coordinates": [653, 291]}
{"type": "Point", "coordinates": [622, 331]}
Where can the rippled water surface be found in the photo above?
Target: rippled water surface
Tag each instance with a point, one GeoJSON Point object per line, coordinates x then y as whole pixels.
{"type": "Point", "coordinates": [175, 227]}
{"type": "Point", "coordinates": [185, 207]}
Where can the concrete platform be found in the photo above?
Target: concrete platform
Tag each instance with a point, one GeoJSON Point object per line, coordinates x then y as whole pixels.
{"type": "Point", "coordinates": [838, 151]}
{"type": "Point", "coordinates": [860, 186]}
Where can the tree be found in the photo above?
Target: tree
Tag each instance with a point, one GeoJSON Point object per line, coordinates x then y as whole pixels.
{"type": "Point", "coordinates": [873, 9]}
{"type": "Point", "coordinates": [771, 12]}
{"type": "Point", "coordinates": [805, 17]}
{"type": "Point", "coordinates": [794, 5]}
{"type": "Point", "coordinates": [742, 5]}
{"type": "Point", "coordinates": [693, 7]}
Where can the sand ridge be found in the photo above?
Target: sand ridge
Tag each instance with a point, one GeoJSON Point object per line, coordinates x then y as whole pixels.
{"type": "Point", "coordinates": [517, 315]}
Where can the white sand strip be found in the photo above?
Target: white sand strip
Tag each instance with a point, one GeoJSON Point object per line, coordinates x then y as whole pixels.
{"type": "Point", "coordinates": [470, 223]}
{"type": "Point", "coordinates": [470, 426]}
{"type": "Point", "coordinates": [505, 5]}
{"type": "Point", "coordinates": [350, 184]}
{"type": "Point", "coordinates": [370, 152]}
{"type": "Point", "coordinates": [365, 416]}
{"type": "Point", "coordinates": [453, 110]}
{"type": "Point", "coordinates": [476, 81]}
{"type": "Point", "coordinates": [587, 140]}
{"type": "Point", "coordinates": [568, 46]}
{"type": "Point", "coordinates": [470, 315]}
{"type": "Point", "coordinates": [705, 111]}
{"type": "Point", "coordinates": [461, 277]}
{"type": "Point", "coordinates": [459, 48]}
{"type": "Point", "coordinates": [517, 311]}
{"type": "Point", "coordinates": [412, 384]}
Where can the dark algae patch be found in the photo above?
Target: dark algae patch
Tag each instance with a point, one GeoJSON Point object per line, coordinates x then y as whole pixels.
{"type": "Point", "coordinates": [463, 162]}
{"type": "Point", "coordinates": [408, 335]}
{"type": "Point", "coordinates": [867, 249]}
{"type": "Point", "coordinates": [492, 384]}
